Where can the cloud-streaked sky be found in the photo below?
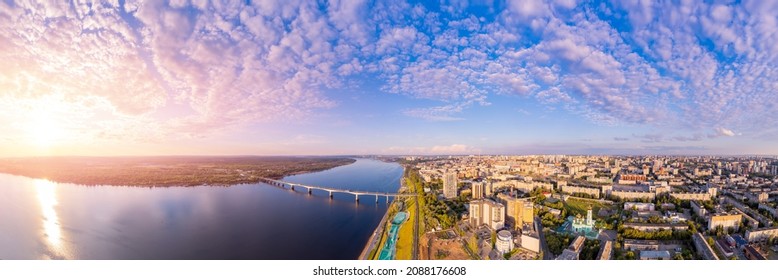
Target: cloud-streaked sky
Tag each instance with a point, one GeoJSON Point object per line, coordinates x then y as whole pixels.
{"type": "Point", "coordinates": [388, 77]}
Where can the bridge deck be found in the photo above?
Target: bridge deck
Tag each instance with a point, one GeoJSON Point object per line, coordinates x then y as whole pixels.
{"type": "Point", "coordinates": [354, 192]}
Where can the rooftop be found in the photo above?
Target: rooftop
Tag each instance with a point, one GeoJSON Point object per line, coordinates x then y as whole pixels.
{"type": "Point", "coordinates": [655, 254]}
{"type": "Point", "coordinates": [567, 254]}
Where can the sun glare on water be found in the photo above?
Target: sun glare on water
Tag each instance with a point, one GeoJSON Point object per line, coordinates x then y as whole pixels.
{"type": "Point", "coordinates": [47, 198]}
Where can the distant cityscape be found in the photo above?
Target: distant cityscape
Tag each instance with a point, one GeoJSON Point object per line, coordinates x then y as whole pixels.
{"type": "Point", "coordinates": [591, 207]}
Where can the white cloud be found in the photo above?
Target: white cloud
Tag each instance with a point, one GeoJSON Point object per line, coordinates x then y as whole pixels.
{"type": "Point", "coordinates": [439, 113]}
{"type": "Point", "coordinates": [528, 8]}
{"type": "Point", "coordinates": [691, 64]}
{"type": "Point", "coordinates": [720, 131]}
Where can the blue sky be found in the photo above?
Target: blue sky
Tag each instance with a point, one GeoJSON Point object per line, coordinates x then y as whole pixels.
{"type": "Point", "coordinates": [388, 77]}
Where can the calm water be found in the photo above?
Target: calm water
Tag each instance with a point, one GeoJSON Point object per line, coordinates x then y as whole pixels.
{"type": "Point", "coordinates": [44, 220]}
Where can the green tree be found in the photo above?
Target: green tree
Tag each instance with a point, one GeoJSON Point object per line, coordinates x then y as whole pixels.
{"type": "Point", "coordinates": [494, 238]}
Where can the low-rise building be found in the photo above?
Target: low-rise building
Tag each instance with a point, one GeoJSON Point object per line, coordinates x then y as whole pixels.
{"type": "Point", "coordinates": [724, 248]}
{"type": "Point", "coordinates": [726, 221]}
{"type": "Point", "coordinates": [631, 179]}
{"type": "Point", "coordinates": [656, 227]}
{"type": "Point", "coordinates": [691, 195]}
{"type": "Point", "coordinates": [504, 242]}
{"type": "Point", "coordinates": [758, 235]}
{"type": "Point", "coordinates": [569, 189]}
{"type": "Point", "coordinates": [752, 254]}
{"type": "Point", "coordinates": [745, 209]}
{"type": "Point", "coordinates": [772, 210]}
{"type": "Point", "coordinates": [606, 251]}
{"type": "Point", "coordinates": [574, 250]}
{"type": "Point", "coordinates": [698, 209]}
{"type": "Point", "coordinates": [639, 206]}
{"type": "Point", "coordinates": [753, 223]}
{"type": "Point", "coordinates": [606, 190]}
{"type": "Point", "coordinates": [524, 186]}
{"type": "Point", "coordinates": [675, 217]}
{"type": "Point", "coordinates": [640, 245]}
{"type": "Point", "coordinates": [567, 254]}
{"type": "Point", "coordinates": [577, 244]}
{"type": "Point", "coordinates": [530, 241]}
{"type": "Point", "coordinates": [633, 195]}
{"type": "Point", "coordinates": [757, 196]}
{"type": "Point", "coordinates": [655, 255]}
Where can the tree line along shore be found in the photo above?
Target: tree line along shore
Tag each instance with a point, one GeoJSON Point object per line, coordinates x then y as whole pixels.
{"type": "Point", "coordinates": [166, 171]}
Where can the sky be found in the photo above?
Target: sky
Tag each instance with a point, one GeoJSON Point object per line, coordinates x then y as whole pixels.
{"type": "Point", "coordinates": [290, 77]}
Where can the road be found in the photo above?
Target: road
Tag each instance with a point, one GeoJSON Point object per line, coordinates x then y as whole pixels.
{"type": "Point", "coordinates": [469, 252]}
{"type": "Point", "coordinates": [543, 246]}
{"type": "Point", "coordinates": [415, 251]}
{"type": "Point", "coordinates": [374, 238]}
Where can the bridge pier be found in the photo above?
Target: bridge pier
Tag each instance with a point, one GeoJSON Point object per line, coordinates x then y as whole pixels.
{"type": "Point", "coordinates": [331, 191]}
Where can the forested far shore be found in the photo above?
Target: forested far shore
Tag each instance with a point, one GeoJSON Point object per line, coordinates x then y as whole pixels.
{"type": "Point", "coordinates": [165, 171]}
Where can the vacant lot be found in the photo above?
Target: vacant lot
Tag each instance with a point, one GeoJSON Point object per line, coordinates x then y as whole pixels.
{"type": "Point", "coordinates": [434, 248]}
{"type": "Point", "coordinates": [578, 206]}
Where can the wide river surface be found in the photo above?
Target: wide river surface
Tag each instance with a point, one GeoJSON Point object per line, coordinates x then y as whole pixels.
{"type": "Point", "coordinates": [40, 219]}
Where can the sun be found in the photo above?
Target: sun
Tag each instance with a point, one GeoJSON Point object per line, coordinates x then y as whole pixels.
{"type": "Point", "coordinates": [45, 131]}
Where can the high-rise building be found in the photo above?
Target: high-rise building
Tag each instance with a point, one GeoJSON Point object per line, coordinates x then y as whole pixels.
{"type": "Point", "coordinates": [478, 190]}
{"type": "Point", "coordinates": [514, 207]}
{"type": "Point", "coordinates": [527, 212]}
{"type": "Point", "coordinates": [489, 188]}
{"type": "Point", "coordinates": [656, 165]}
{"type": "Point", "coordinates": [450, 184]}
{"type": "Point", "coordinates": [486, 211]}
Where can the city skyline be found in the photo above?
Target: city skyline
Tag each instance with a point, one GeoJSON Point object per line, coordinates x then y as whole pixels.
{"type": "Point", "coordinates": [388, 78]}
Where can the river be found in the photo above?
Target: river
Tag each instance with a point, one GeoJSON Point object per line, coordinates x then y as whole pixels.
{"type": "Point", "coordinates": [40, 219]}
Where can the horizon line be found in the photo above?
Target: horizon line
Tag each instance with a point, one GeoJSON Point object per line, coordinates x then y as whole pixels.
{"type": "Point", "coordinates": [383, 155]}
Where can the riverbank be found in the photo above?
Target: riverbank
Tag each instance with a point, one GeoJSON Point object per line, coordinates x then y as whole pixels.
{"type": "Point", "coordinates": [373, 245]}
{"type": "Point", "coordinates": [166, 171]}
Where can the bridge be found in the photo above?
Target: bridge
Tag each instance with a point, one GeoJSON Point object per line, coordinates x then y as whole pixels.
{"type": "Point", "coordinates": [355, 193]}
